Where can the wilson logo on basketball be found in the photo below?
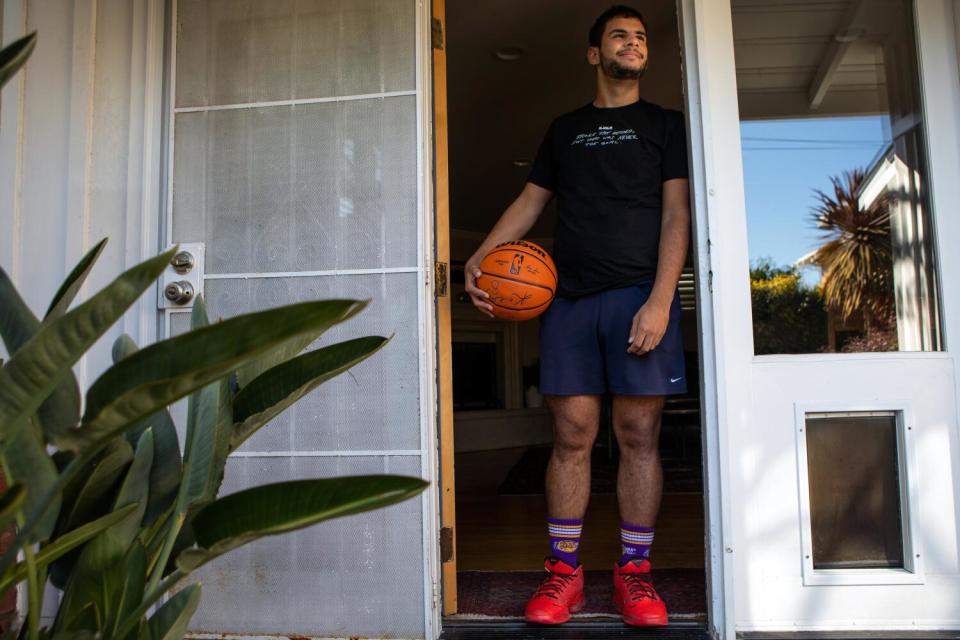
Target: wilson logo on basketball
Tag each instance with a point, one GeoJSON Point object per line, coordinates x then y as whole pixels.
{"type": "Point", "coordinates": [520, 279]}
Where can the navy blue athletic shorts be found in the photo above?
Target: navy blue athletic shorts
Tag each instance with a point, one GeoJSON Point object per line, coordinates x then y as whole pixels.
{"type": "Point", "coordinates": [583, 347]}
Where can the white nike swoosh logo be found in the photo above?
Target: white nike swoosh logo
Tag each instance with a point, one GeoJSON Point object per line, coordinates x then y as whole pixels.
{"type": "Point", "coordinates": [676, 379]}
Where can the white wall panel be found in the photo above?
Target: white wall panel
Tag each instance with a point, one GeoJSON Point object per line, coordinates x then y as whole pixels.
{"type": "Point", "coordinates": [79, 150]}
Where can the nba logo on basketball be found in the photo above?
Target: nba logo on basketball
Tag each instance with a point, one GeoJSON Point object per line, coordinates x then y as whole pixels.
{"type": "Point", "coordinates": [520, 279]}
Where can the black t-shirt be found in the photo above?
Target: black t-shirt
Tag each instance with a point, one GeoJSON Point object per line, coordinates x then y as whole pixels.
{"type": "Point", "coordinates": [607, 168]}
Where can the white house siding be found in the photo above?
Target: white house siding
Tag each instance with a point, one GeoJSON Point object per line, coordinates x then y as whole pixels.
{"type": "Point", "coordinates": [79, 149]}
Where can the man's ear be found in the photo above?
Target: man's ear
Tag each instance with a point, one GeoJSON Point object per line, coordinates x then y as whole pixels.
{"type": "Point", "coordinates": [593, 55]}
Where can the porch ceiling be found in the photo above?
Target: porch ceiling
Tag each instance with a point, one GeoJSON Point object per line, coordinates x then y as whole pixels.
{"type": "Point", "coordinates": [809, 58]}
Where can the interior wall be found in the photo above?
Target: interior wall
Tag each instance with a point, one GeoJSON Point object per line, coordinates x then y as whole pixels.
{"type": "Point", "coordinates": [499, 110]}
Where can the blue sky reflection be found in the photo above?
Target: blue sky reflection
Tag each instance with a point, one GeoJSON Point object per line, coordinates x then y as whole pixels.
{"type": "Point", "coordinates": [784, 161]}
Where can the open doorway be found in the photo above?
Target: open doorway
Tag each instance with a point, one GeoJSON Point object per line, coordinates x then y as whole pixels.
{"type": "Point", "coordinates": [510, 69]}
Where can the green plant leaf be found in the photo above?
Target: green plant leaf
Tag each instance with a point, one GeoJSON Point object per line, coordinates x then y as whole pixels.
{"type": "Point", "coordinates": [11, 501]}
{"type": "Point", "coordinates": [71, 286]}
{"type": "Point", "coordinates": [86, 617]}
{"type": "Point", "coordinates": [207, 412]}
{"type": "Point", "coordinates": [166, 469]}
{"type": "Point", "coordinates": [17, 322]}
{"type": "Point", "coordinates": [64, 544]}
{"type": "Point", "coordinates": [41, 363]}
{"type": "Point", "coordinates": [73, 635]}
{"type": "Point", "coordinates": [209, 425]}
{"type": "Point", "coordinates": [72, 465]}
{"type": "Point", "coordinates": [165, 472]}
{"type": "Point", "coordinates": [97, 485]}
{"type": "Point", "coordinates": [171, 620]}
{"type": "Point", "coordinates": [14, 55]}
{"type": "Point", "coordinates": [123, 347]}
{"type": "Point", "coordinates": [61, 411]}
{"type": "Point", "coordinates": [136, 487]}
{"type": "Point", "coordinates": [282, 353]}
{"type": "Point", "coordinates": [131, 576]}
{"type": "Point", "coordinates": [94, 578]}
{"type": "Point", "coordinates": [157, 375]}
{"type": "Point", "coordinates": [270, 393]}
{"type": "Point", "coordinates": [28, 463]}
{"type": "Point", "coordinates": [243, 517]}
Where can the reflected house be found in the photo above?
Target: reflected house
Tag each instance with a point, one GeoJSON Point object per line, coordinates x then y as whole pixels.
{"type": "Point", "coordinates": [301, 146]}
{"type": "Point", "coordinates": [916, 307]}
{"type": "Point", "coordinates": [891, 180]}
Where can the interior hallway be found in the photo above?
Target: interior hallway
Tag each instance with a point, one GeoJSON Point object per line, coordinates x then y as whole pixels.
{"type": "Point", "coordinates": [508, 533]}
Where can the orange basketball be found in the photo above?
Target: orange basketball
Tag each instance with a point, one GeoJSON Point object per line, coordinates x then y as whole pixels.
{"type": "Point", "coordinates": [520, 278]}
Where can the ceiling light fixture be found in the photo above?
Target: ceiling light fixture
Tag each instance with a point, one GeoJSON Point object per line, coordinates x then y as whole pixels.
{"type": "Point", "coordinates": [521, 162]}
{"type": "Point", "coordinates": [509, 54]}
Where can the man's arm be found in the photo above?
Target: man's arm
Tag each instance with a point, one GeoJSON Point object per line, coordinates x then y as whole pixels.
{"type": "Point", "coordinates": [650, 322]}
{"type": "Point", "coordinates": [515, 222]}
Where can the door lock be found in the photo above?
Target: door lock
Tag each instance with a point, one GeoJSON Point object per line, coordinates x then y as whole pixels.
{"type": "Point", "coordinates": [181, 284]}
{"type": "Point", "coordinates": [183, 262]}
{"type": "Point", "coordinates": [180, 292]}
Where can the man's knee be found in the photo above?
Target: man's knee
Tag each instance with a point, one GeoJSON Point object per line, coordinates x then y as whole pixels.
{"type": "Point", "coordinates": [638, 433]}
{"type": "Point", "coordinates": [575, 424]}
{"type": "Point", "coordinates": [573, 438]}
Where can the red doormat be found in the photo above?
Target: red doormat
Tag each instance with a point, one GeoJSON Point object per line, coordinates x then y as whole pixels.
{"type": "Point", "coordinates": [504, 594]}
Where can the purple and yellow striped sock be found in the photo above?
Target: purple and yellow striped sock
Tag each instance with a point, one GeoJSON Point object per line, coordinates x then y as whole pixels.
{"type": "Point", "coordinates": [635, 542]}
{"type": "Point", "coordinates": [565, 539]}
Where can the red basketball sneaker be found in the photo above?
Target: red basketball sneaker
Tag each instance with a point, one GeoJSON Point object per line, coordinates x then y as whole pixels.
{"type": "Point", "coordinates": [635, 597]}
{"type": "Point", "coordinates": [559, 595]}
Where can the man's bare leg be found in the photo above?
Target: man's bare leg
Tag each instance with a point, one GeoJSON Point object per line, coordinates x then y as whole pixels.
{"type": "Point", "coordinates": [575, 423]}
{"type": "Point", "coordinates": [576, 420]}
{"type": "Point", "coordinates": [636, 423]}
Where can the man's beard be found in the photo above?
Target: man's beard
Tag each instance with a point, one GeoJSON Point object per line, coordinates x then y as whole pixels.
{"type": "Point", "coordinates": [613, 69]}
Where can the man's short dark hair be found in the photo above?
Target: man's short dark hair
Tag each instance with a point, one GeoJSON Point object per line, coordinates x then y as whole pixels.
{"type": "Point", "coordinates": [616, 11]}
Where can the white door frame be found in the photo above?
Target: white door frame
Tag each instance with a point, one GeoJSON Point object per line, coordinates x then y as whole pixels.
{"type": "Point", "coordinates": [721, 249]}
{"type": "Point", "coordinates": [716, 185]}
{"type": "Point", "coordinates": [429, 368]}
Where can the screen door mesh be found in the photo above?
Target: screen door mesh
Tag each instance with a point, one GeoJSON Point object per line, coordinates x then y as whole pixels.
{"type": "Point", "coordinates": [294, 146]}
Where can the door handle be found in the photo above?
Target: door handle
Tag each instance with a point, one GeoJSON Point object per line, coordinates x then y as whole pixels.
{"type": "Point", "coordinates": [179, 292]}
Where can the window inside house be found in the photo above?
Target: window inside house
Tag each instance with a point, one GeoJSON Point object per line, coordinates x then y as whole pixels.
{"type": "Point", "coordinates": [477, 381]}
{"type": "Point", "coordinates": [853, 472]}
{"type": "Point", "coordinates": [832, 129]}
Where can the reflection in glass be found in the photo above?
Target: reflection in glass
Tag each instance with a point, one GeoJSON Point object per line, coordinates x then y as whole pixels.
{"type": "Point", "coordinates": [834, 170]}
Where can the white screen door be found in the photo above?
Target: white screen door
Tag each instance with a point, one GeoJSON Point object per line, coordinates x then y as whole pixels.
{"type": "Point", "coordinates": [294, 157]}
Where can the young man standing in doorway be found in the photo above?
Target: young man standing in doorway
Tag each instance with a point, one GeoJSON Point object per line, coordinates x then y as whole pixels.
{"type": "Point", "coordinates": [618, 169]}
